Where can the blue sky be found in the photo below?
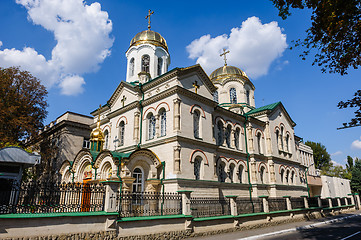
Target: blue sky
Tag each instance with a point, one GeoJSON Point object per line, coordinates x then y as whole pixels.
{"type": "Point", "coordinates": [78, 50]}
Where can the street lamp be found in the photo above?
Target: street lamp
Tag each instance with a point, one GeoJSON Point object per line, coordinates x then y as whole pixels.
{"type": "Point", "coordinates": [308, 188]}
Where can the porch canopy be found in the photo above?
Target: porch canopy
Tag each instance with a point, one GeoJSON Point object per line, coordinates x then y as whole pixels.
{"type": "Point", "coordinates": [18, 155]}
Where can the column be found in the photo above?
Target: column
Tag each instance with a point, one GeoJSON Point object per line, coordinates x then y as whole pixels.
{"type": "Point", "coordinates": [288, 202]}
{"type": "Point", "coordinates": [233, 145]}
{"type": "Point", "coordinates": [111, 190]}
{"type": "Point", "coordinates": [305, 201]}
{"type": "Point", "coordinates": [176, 115]}
{"type": "Point", "coordinates": [352, 199]}
{"type": "Point", "coordinates": [272, 171]}
{"type": "Point", "coordinates": [186, 202]}
{"type": "Point", "coordinates": [358, 204]}
{"type": "Point", "coordinates": [268, 138]}
{"type": "Point", "coordinates": [215, 166]}
{"type": "Point", "coordinates": [136, 127]}
{"type": "Point", "coordinates": [329, 202]}
{"type": "Point", "coordinates": [176, 157]}
{"type": "Point", "coordinates": [250, 139]}
{"type": "Point", "coordinates": [265, 203]}
{"type": "Point", "coordinates": [253, 170]}
{"type": "Point", "coordinates": [338, 201]}
{"type": "Point", "coordinates": [233, 204]}
{"type": "Point", "coordinates": [157, 126]}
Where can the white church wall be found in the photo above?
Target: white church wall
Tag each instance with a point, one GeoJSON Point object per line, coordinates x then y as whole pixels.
{"type": "Point", "coordinates": [189, 80]}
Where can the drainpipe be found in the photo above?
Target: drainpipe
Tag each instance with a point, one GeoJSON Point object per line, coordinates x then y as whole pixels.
{"type": "Point", "coordinates": [161, 182]}
{"type": "Point", "coordinates": [141, 115]}
{"type": "Point", "coordinates": [120, 188]}
{"type": "Point", "coordinates": [248, 169]}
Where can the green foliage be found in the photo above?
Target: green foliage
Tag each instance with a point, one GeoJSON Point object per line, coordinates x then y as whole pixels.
{"type": "Point", "coordinates": [356, 177]}
{"type": "Point", "coordinates": [321, 156]}
{"type": "Point", "coordinates": [335, 171]}
{"type": "Point", "coordinates": [22, 105]}
{"type": "Point", "coordinates": [335, 32]}
{"type": "Point", "coordinates": [353, 103]}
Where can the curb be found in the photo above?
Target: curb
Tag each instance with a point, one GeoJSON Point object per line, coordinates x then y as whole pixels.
{"type": "Point", "coordinates": [299, 228]}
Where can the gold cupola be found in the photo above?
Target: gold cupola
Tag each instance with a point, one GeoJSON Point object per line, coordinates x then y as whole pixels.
{"type": "Point", "coordinates": [226, 72]}
{"type": "Point", "coordinates": [97, 138]}
{"type": "Point", "coordinates": [151, 37]}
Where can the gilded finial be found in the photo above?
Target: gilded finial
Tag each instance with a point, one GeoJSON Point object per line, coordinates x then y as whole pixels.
{"type": "Point", "coordinates": [224, 56]}
{"type": "Point", "coordinates": [148, 17]}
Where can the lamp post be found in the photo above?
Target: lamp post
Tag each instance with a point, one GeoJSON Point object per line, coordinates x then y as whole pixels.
{"type": "Point", "coordinates": [308, 188]}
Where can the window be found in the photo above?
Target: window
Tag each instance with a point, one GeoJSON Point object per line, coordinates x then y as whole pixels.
{"type": "Point", "coordinates": [138, 182]}
{"type": "Point", "coordinates": [151, 126]}
{"type": "Point", "coordinates": [292, 177]}
{"type": "Point", "coordinates": [228, 136]}
{"type": "Point", "coordinates": [160, 65]}
{"type": "Point", "coordinates": [86, 143]}
{"type": "Point", "coordinates": [259, 143]}
{"type": "Point", "coordinates": [231, 172]}
{"type": "Point", "coordinates": [281, 138]}
{"type": "Point", "coordinates": [215, 97]}
{"type": "Point", "coordinates": [287, 143]}
{"type": "Point", "coordinates": [145, 63]}
{"type": "Point", "coordinates": [236, 138]}
{"type": "Point", "coordinates": [282, 175]}
{"type": "Point", "coordinates": [131, 67]}
{"type": "Point", "coordinates": [163, 123]}
{"type": "Point", "coordinates": [287, 175]}
{"type": "Point", "coordinates": [197, 168]}
{"type": "Point", "coordinates": [240, 174]}
{"type": "Point", "coordinates": [221, 172]}
{"type": "Point", "coordinates": [220, 133]}
{"type": "Point", "coordinates": [106, 136]}
{"type": "Point", "coordinates": [196, 118]}
{"type": "Point", "coordinates": [262, 174]}
{"type": "Point", "coordinates": [277, 139]}
{"type": "Point", "coordinates": [233, 95]}
{"type": "Point", "coordinates": [121, 133]}
{"type": "Point", "coordinates": [247, 97]}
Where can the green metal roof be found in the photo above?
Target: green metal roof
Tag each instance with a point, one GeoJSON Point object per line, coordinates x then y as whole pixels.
{"type": "Point", "coordinates": [264, 108]}
{"type": "Point", "coordinates": [94, 154]}
{"type": "Point", "coordinates": [120, 155]}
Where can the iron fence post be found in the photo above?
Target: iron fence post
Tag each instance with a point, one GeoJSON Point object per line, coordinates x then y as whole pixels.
{"type": "Point", "coordinates": [186, 202]}
{"type": "Point", "coordinates": [265, 203]}
{"type": "Point", "coordinates": [111, 188]}
{"type": "Point", "coordinates": [233, 204]}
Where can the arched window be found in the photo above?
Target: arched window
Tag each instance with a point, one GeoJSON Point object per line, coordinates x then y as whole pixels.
{"type": "Point", "coordinates": [106, 139]}
{"type": "Point", "coordinates": [277, 139]}
{"type": "Point", "coordinates": [236, 138]}
{"type": "Point", "coordinates": [145, 63]}
{"type": "Point", "coordinates": [160, 66]}
{"type": "Point", "coordinates": [163, 123]}
{"type": "Point", "coordinates": [287, 175]}
{"type": "Point", "coordinates": [220, 133]}
{"type": "Point", "coordinates": [138, 182]}
{"type": "Point", "coordinates": [231, 172]}
{"type": "Point", "coordinates": [262, 174]}
{"type": "Point", "coordinates": [228, 135]}
{"type": "Point", "coordinates": [281, 138]}
{"type": "Point", "coordinates": [151, 126]}
{"type": "Point", "coordinates": [196, 119]}
{"type": "Point", "coordinates": [247, 97]}
{"type": "Point", "coordinates": [221, 172]}
{"type": "Point", "coordinates": [233, 95]}
{"type": "Point", "coordinates": [215, 97]}
{"type": "Point", "coordinates": [240, 174]}
{"type": "Point", "coordinates": [259, 148]}
{"type": "Point", "coordinates": [292, 177]}
{"type": "Point", "coordinates": [197, 168]}
{"type": "Point", "coordinates": [287, 143]}
{"type": "Point", "coordinates": [121, 133]}
{"type": "Point", "coordinates": [131, 67]}
{"type": "Point", "coordinates": [282, 175]}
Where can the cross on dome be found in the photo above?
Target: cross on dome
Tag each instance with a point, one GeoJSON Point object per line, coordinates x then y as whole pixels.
{"type": "Point", "coordinates": [224, 56]}
{"type": "Point", "coordinates": [148, 17]}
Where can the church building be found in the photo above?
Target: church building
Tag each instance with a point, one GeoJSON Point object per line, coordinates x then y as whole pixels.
{"type": "Point", "coordinates": [181, 129]}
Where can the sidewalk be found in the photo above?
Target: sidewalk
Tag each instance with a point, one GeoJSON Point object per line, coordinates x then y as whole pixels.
{"type": "Point", "coordinates": [289, 227]}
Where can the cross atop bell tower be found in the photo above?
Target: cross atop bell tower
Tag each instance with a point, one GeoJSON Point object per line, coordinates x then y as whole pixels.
{"type": "Point", "coordinates": [148, 17]}
{"type": "Point", "coordinates": [224, 56]}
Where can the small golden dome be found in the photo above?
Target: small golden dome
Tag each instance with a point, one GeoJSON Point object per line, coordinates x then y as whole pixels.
{"type": "Point", "coordinates": [149, 36]}
{"type": "Point", "coordinates": [226, 72]}
{"type": "Point", "coordinates": [97, 134]}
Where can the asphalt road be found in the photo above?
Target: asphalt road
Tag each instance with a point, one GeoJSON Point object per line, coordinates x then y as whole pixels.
{"type": "Point", "coordinates": [347, 229]}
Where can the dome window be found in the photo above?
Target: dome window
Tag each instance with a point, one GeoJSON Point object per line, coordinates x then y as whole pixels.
{"type": "Point", "coordinates": [247, 97]}
{"type": "Point", "coordinates": [160, 66]}
{"type": "Point", "coordinates": [215, 97]}
{"type": "Point", "coordinates": [145, 63]}
{"type": "Point", "coordinates": [131, 67]}
{"type": "Point", "coordinates": [233, 95]}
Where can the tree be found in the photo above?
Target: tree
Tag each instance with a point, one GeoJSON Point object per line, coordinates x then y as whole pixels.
{"type": "Point", "coordinates": [353, 103]}
{"type": "Point", "coordinates": [356, 177]}
{"type": "Point", "coordinates": [321, 156]}
{"type": "Point", "coordinates": [22, 105]}
{"type": "Point", "coordinates": [335, 32]}
{"type": "Point", "coordinates": [349, 164]}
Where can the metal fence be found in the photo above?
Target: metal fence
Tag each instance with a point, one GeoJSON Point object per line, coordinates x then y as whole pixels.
{"type": "Point", "coordinates": [136, 204]}
{"type": "Point", "coordinates": [343, 201]}
{"type": "Point", "coordinates": [52, 198]}
{"type": "Point", "coordinates": [277, 204]}
{"type": "Point", "coordinates": [334, 202]}
{"type": "Point", "coordinates": [244, 205]}
{"type": "Point", "coordinates": [208, 207]}
{"type": "Point", "coordinates": [324, 203]}
{"type": "Point", "coordinates": [297, 203]}
{"type": "Point", "coordinates": [312, 201]}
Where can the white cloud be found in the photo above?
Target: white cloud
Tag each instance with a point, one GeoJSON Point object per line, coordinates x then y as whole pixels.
{"type": "Point", "coordinates": [253, 47]}
{"type": "Point", "coordinates": [336, 153]}
{"type": "Point", "coordinates": [356, 144]}
{"type": "Point", "coordinates": [336, 163]}
{"type": "Point", "coordinates": [83, 42]}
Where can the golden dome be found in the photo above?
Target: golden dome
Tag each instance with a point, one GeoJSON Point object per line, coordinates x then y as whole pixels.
{"type": "Point", "coordinates": [149, 36]}
{"type": "Point", "coordinates": [97, 134]}
{"type": "Point", "coordinates": [226, 72]}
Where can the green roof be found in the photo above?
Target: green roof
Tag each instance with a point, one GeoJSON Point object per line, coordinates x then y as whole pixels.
{"type": "Point", "coordinates": [94, 154]}
{"type": "Point", "coordinates": [120, 155]}
{"type": "Point", "coordinates": [264, 108]}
